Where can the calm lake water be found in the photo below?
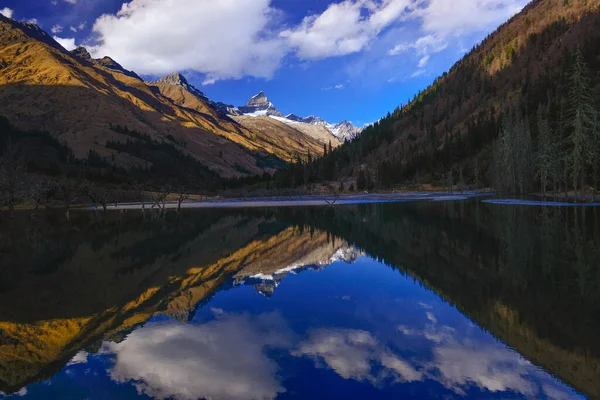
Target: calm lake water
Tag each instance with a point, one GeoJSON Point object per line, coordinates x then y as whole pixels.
{"type": "Point", "coordinates": [441, 300]}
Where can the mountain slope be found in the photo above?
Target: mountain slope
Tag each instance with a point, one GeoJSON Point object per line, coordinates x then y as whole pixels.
{"type": "Point", "coordinates": [76, 101]}
{"type": "Point", "coordinates": [281, 142]}
{"type": "Point", "coordinates": [274, 133]}
{"type": "Point", "coordinates": [438, 136]}
{"type": "Point", "coordinates": [315, 127]}
{"type": "Point", "coordinates": [80, 101]}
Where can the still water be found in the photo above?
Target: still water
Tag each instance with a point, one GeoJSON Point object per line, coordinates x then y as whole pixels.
{"type": "Point", "coordinates": [455, 299]}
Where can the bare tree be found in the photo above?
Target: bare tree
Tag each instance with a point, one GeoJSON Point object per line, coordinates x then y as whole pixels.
{"type": "Point", "coordinates": [99, 196]}
{"type": "Point", "coordinates": [159, 199]}
{"type": "Point", "coordinates": [182, 196]}
{"type": "Point", "coordinates": [70, 191]}
{"type": "Point", "coordinates": [139, 193]}
{"type": "Point", "coordinates": [38, 191]}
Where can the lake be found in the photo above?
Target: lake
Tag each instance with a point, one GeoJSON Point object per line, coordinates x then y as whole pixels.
{"type": "Point", "coordinates": [414, 300]}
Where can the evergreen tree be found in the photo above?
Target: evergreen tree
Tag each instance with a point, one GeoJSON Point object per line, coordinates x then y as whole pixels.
{"type": "Point", "coordinates": [580, 120]}
{"type": "Point", "coordinates": [546, 160]}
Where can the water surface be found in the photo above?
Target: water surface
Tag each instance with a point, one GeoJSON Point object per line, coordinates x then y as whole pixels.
{"type": "Point", "coordinates": [453, 299]}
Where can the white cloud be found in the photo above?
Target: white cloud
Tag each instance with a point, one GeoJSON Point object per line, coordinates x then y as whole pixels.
{"type": "Point", "coordinates": [459, 17]}
{"type": "Point", "coordinates": [352, 355]}
{"type": "Point", "coordinates": [423, 61]}
{"type": "Point", "coordinates": [339, 86]}
{"type": "Point", "coordinates": [418, 73]}
{"type": "Point", "coordinates": [32, 21]}
{"type": "Point", "coordinates": [223, 359]}
{"type": "Point", "coordinates": [424, 45]}
{"type": "Point", "coordinates": [343, 28]}
{"type": "Point", "coordinates": [222, 39]}
{"type": "Point", "coordinates": [71, 1]}
{"type": "Point", "coordinates": [67, 43]}
{"type": "Point", "coordinates": [79, 358]}
{"type": "Point", "coordinates": [78, 27]}
{"type": "Point", "coordinates": [457, 360]}
{"type": "Point", "coordinates": [56, 29]}
{"type": "Point", "coordinates": [442, 20]}
{"type": "Point", "coordinates": [7, 12]}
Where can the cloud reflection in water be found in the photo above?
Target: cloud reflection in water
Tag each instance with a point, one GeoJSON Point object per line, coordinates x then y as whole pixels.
{"type": "Point", "coordinates": [221, 359]}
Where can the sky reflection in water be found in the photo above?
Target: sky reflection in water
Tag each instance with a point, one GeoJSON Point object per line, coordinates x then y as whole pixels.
{"type": "Point", "coordinates": [322, 334]}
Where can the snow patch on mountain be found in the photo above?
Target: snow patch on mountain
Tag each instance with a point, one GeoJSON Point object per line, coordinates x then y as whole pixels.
{"type": "Point", "coordinates": [259, 106]}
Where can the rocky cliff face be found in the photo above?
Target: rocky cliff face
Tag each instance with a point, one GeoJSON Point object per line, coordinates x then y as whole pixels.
{"type": "Point", "coordinates": [106, 62]}
{"type": "Point", "coordinates": [345, 131]}
{"type": "Point", "coordinates": [260, 105]}
{"type": "Point", "coordinates": [176, 79]}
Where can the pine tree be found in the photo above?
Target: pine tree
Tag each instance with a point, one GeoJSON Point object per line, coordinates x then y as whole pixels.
{"type": "Point", "coordinates": [546, 154]}
{"type": "Point", "coordinates": [580, 119]}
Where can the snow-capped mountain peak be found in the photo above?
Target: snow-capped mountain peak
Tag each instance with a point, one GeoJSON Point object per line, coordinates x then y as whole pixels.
{"type": "Point", "coordinates": [259, 105]}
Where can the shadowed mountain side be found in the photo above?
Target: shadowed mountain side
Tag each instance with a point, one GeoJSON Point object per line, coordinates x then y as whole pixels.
{"type": "Point", "coordinates": [82, 117]}
{"type": "Point", "coordinates": [530, 284]}
{"type": "Point", "coordinates": [450, 127]}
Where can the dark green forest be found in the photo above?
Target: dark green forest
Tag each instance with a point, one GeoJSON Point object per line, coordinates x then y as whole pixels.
{"type": "Point", "coordinates": [532, 126]}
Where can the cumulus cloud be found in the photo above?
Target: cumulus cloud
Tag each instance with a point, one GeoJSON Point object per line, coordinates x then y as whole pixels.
{"type": "Point", "coordinates": [7, 12]}
{"type": "Point", "coordinates": [223, 359]}
{"type": "Point", "coordinates": [67, 43]}
{"type": "Point", "coordinates": [352, 354]}
{"type": "Point", "coordinates": [458, 360]}
{"type": "Point", "coordinates": [343, 28]}
{"type": "Point", "coordinates": [222, 39]}
{"type": "Point", "coordinates": [56, 29]}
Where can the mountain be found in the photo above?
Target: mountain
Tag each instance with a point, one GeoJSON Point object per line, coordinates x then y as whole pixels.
{"type": "Point", "coordinates": [265, 282]}
{"type": "Point", "coordinates": [267, 136]}
{"type": "Point", "coordinates": [344, 131]}
{"type": "Point", "coordinates": [79, 101]}
{"type": "Point", "coordinates": [316, 127]}
{"type": "Point", "coordinates": [523, 72]}
{"type": "Point", "coordinates": [260, 105]}
{"type": "Point", "coordinates": [108, 116]}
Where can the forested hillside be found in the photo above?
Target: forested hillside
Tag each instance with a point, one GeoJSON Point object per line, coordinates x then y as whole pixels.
{"type": "Point", "coordinates": [518, 112]}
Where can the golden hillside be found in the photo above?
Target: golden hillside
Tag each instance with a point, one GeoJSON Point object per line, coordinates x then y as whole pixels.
{"type": "Point", "coordinates": [275, 138]}
{"type": "Point", "coordinates": [44, 87]}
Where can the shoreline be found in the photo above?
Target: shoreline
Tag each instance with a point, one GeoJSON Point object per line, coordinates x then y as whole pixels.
{"type": "Point", "coordinates": [296, 201]}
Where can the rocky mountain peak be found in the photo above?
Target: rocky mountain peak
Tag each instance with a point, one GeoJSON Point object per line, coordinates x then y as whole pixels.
{"type": "Point", "coordinates": [177, 79]}
{"type": "Point", "coordinates": [294, 117]}
{"type": "Point", "coordinates": [82, 53]}
{"type": "Point", "coordinates": [259, 100]}
{"type": "Point", "coordinates": [315, 120]}
{"type": "Point", "coordinates": [260, 105]}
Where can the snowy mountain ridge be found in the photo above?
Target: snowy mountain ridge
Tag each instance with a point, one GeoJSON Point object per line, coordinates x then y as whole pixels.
{"type": "Point", "coordinates": [259, 105]}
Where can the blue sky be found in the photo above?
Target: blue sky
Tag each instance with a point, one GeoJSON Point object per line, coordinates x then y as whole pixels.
{"type": "Point", "coordinates": [351, 59]}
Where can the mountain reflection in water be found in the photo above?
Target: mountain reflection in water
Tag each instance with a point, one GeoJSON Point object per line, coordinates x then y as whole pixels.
{"type": "Point", "coordinates": [363, 301]}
